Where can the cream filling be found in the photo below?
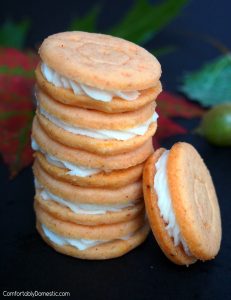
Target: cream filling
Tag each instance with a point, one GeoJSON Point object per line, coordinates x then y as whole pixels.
{"type": "Point", "coordinates": [103, 134]}
{"type": "Point", "coordinates": [73, 170]}
{"type": "Point", "coordinates": [83, 89]}
{"type": "Point", "coordinates": [80, 244]}
{"type": "Point", "coordinates": [79, 208]}
{"type": "Point", "coordinates": [165, 202]}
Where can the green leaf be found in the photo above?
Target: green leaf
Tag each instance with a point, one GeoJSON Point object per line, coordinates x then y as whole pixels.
{"type": "Point", "coordinates": [145, 19]}
{"type": "Point", "coordinates": [211, 85]}
{"type": "Point", "coordinates": [18, 71]}
{"type": "Point", "coordinates": [163, 50]}
{"type": "Point", "coordinates": [14, 34]}
{"type": "Point", "coordinates": [87, 22]}
{"type": "Point", "coordinates": [4, 115]}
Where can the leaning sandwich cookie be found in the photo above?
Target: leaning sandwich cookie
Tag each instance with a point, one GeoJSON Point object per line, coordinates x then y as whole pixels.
{"type": "Point", "coordinates": [182, 205]}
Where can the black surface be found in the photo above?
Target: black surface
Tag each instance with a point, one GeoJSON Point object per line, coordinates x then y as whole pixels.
{"type": "Point", "coordinates": [27, 263]}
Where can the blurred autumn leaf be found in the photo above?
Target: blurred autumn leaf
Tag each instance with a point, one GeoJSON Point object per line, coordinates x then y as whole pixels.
{"type": "Point", "coordinates": [16, 107]}
{"type": "Point", "coordinates": [211, 84]}
{"type": "Point", "coordinates": [145, 19]}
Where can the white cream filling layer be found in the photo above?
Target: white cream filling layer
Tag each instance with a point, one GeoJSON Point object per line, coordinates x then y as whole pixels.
{"type": "Point", "coordinates": [165, 202]}
{"type": "Point", "coordinates": [80, 244]}
{"type": "Point", "coordinates": [103, 134]}
{"type": "Point", "coordinates": [73, 170]}
{"type": "Point", "coordinates": [83, 89]}
{"type": "Point", "coordinates": [79, 208]}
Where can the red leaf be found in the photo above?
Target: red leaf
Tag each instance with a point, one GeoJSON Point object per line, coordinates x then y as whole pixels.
{"type": "Point", "coordinates": [16, 109]}
{"type": "Point", "coordinates": [171, 105]}
{"type": "Point", "coordinates": [166, 128]}
{"type": "Point", "coordinates": [13, 58]}
{"type": "Point", "coordinates": [168, 106]}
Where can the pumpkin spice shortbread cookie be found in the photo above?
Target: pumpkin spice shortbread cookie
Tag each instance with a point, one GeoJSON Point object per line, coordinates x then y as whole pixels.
{"type": "Point", "coordinates": [90, 242]}
{"type": "Point", "coordinates": [103, 232]}
{"type": "Point", "coordinates": [90, 249]}
{"type": "Point", "coordinates": [88, 177]}
{"type": "Point", "coordinates": [92, 119]}
{"type": "Point", "coordinates": [86, 195]}
{"type": "Point", "coordinates": [77, 157]}
{"type": "Point", "coordinates": [98, 72]}
{"type": "Point", "coordinates": [182, 205]}
{"type": "Point", "coordinates": [98, 141]}
{"type": "Point", "coordinates": [86, 214]}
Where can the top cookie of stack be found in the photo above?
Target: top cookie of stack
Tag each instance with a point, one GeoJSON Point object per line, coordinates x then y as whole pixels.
{"type": "Point", "coordinates": [93, 132]}
{"type": "Point", "coordinates": [78, 68]}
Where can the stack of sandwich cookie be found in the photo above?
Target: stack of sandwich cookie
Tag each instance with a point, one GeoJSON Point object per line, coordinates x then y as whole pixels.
{"type": "Point", "coordinates": [92, 134]}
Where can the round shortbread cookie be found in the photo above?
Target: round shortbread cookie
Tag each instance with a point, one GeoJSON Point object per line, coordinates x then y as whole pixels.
{"type": "Point", "coordinates": [66, 96]}
{"type": "Point", "coordinates": [87, 195]}
{"type": "Point", "coordinates": [105, 232]}
{"type": "Point", "coordinates": [114, 179]}
{"type": "Point", "coordinates": [111, 147]}
{"type": "Point", "coordinates": [175, 254]}
{"type": "Point", "coordinates": [101, 61]}
{"type": "Point", "coordinates": [64, 213]}
{"type": "Point", "coordinates": [194, 203]}
{"type": "Point", "coordinates": [107, 250]}
{"type": "Point", "coordinates": [87, 159]}
{"type": "Point", "coordinates": [92, 119]}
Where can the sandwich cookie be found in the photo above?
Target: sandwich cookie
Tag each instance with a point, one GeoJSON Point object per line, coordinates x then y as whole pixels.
{"type": "Point", "coordinates": [88, 177]}
{"type": "Point", "coordinates": [98, 66]}
{"type": "Point", "coordinates": [104, 232]}
{"type": "Point", "coordinates": [182, 205]}
{"type": "Point", "coordinates": [85, 195]}
{"type": "Point", "coordinates": [86, 249]}
{"type": "Point", "coordinates": [117, 105]}
{"type": "Point", "coordinates": [91, 242]}
{"type": "Point", "coordinates": [92, 119]}
{"type": "Point", "coordinates": [80, 158]}
{"type": "Point", "coordinates": [98, 141]}
{"type": "Point", "coordinates": [86, 214]}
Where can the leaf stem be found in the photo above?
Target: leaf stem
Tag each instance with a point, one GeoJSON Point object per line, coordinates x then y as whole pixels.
{"type": "Point", "coordinates": [207, 39]}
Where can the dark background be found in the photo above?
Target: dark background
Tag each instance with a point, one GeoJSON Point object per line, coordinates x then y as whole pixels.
{"type": "Point", "coordinates": [27, 263]}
